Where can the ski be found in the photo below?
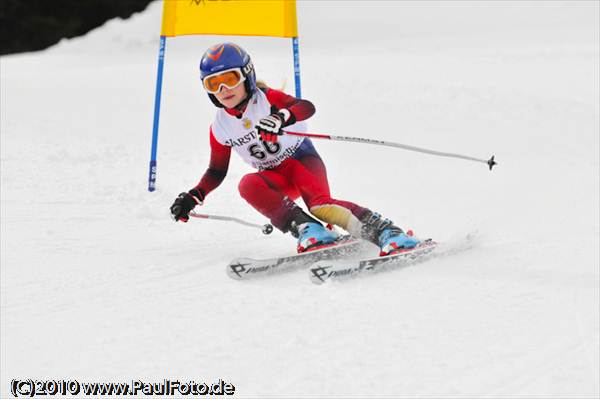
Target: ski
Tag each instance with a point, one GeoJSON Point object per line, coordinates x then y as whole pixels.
{"type": "Point", "coordinates": [334, 269]}
{"type": "Point", "coordinates": [245, 268]}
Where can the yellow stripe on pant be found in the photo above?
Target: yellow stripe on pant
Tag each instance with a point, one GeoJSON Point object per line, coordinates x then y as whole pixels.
{"type": "Point", "coordinates": [339, 216]}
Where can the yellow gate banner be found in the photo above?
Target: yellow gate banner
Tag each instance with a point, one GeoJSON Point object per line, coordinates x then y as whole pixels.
{"type": "Point", "coordinates": [230, 17]}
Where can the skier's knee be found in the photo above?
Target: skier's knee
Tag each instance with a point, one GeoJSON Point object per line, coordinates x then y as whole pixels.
{"type": "Point", "coordinates": [248, 184]}
{"type": "Point", "coordinates": [319, 200]}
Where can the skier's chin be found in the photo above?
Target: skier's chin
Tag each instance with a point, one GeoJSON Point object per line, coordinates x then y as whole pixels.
{"type": "Point", "coordinates": [231, 103]}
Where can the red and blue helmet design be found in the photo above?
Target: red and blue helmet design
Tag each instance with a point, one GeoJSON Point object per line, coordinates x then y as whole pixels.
{"type": "Point", "coordinates": [223, 56]}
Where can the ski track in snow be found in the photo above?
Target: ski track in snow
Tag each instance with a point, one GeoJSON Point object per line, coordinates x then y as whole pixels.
{"type": "Point", "coordinates": [98, 284]}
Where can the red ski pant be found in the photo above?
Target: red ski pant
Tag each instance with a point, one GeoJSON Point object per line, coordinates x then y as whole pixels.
{"type": "Point", "coordinates": [270, 192]}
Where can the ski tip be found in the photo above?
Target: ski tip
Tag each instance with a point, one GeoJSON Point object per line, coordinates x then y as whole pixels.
{"type": "Point", "coordinates": [317, 273]}
{"type": "Point", "coordinates": [237, 268]}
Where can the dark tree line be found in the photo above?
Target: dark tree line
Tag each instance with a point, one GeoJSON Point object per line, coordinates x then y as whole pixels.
{"type": "Point", "coordinates": [29, 25]}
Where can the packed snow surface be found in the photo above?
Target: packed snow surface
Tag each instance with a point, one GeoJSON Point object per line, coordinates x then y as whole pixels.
{"type": "Point", "coordinates": [99, 284]}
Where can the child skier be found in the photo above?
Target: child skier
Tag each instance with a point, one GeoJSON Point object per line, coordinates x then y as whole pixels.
{"type": "Point", "coordinates": [250, 121]}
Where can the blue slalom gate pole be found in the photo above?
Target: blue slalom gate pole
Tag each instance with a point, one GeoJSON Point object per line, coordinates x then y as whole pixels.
{"type": "Point", "coordinates": [159, 75]}
{"type": "Point", "coordinates": [296, 67]}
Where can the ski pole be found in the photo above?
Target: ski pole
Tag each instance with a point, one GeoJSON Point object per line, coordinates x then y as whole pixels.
{"type": "Point", "coordinates": [265, 228]}
{"type": "Point", "coordinates": [490, 162]}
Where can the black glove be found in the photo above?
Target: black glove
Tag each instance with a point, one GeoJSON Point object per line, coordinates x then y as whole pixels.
{"type": "Point", "coordinates": [184, 203]}
{"type": "Point", "coordinates": [269, 128]}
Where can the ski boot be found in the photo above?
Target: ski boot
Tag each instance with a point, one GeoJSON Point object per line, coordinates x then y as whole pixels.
{"type": "Point", "coordinates": [394, 241]}
{"type": "Point", "coordinates": [390, 238]}
{"type": "Point", "coordinates": [312, 235]}
{"type": "Point", "coordinates": [309, 231]}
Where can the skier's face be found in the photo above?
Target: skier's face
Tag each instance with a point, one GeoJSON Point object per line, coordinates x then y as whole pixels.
{"type": "Point", "coordinates": [230, 98]}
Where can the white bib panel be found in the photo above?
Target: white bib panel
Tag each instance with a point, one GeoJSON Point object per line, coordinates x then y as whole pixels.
{"type": "Point", "coordinates": [243, 137]}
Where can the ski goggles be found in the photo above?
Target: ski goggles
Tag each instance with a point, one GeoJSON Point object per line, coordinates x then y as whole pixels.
{"type": "Point", "coordinates": [230, 78]}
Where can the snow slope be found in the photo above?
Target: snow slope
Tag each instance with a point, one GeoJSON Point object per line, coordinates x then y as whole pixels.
{"type": "Point", "coordinates": [97, 283]}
